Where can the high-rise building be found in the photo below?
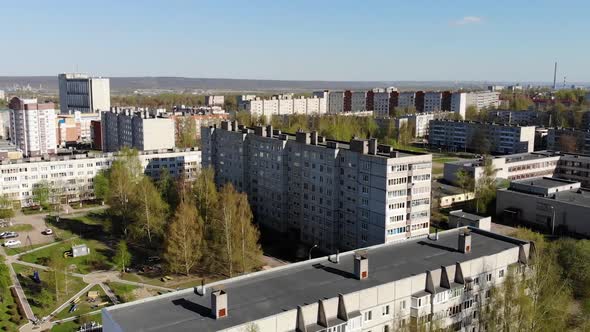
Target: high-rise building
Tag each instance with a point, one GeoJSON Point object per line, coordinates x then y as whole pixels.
{"type": "Point", "coordinates": [32, 126]}
{"type": "Point", "coordinates": [334, 194]}
{"type": "Point", "coordinates": [80, 92]}
{"type": "Point", "coordinates": [140, 130]}
{"type": "Point", "coordinates": [444, 281]}
{"type": "Point", "coordinates": [477, 136]}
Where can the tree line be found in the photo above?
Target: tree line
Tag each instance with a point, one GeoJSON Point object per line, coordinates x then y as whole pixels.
{"type": "Point", "coordinates": [198, 227]}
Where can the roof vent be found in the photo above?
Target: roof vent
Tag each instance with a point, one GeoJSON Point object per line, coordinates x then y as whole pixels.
{"type": "Point", "coordinates": [219, 304]}
{"type": "Point", "coordinates": [464, 243]}
{"type": "Point", "coordinates": [361, 265]}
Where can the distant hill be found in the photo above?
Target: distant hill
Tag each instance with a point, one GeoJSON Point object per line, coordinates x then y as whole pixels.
{"type": "Point", "coordinates": [130, 84]}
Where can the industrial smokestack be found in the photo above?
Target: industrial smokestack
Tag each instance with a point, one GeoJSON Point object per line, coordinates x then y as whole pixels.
{"type": "Point", "coordinates": [555, 76]}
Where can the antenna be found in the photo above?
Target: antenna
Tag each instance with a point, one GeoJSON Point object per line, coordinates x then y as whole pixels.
{"type": "Point", "coordinates": [555, 76]}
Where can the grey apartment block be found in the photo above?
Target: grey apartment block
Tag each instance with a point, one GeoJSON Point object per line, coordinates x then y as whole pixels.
{"type": "Point", "coordinates": [460, 135]}
{"type": "Point", "coordinates": [337, 195]}
{"type": "Point", "coordinates": [80, 92]}
{"type": "Point", "coordinates": [140, 130]}
{"type": "Point", "coordinates": [445, 283]}
{"type": "Point", "coordinates": [557, 205]}
{"type": "Point", "coordinates": [576, 140]}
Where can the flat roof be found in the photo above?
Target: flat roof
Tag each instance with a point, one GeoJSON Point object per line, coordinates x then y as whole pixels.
{"type": "Point", "coordinates": [466, 215]}
{"type": "Point", "coordinates": [579, 197]}
{"type": "Point", "coordinates": [545, 182]}
{"type": "Point", "coordinates": [277, 290]}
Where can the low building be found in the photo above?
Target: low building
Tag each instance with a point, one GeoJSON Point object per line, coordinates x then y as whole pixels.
{"type": "Point", "coordinates": [458, 218]}
{"type": "Point", "coordinates": [557, 205]}
{"type": "Point", "coordinates": [446, 196]}
{"type": "Point", "coordinates": [74, 174]}
{"type": "Point", "coordinates": [443, 281]}
{"type": "Point", "coordinates": [523, 118]}
{"type": "Point", "coordinates": [75, 128]}
{"type": "Point", "coordinates": [453, 135]}
{"type": "Point", "coordinates": [214, 100]}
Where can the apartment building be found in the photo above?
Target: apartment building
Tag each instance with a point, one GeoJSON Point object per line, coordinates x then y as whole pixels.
{"type": "Point", "coordinates": [74, 174]}
{"type": "Point", "coordinates": [333, 194]}
{"type": "Point", "coordinates": [433, 102]}
{"type": "Point", "coordinates": [201, 118]}
{"type": "Point", "coordinates": [446, 283]}
{"type": "Point", "coordinates": [523, 118]}
{"type": "Point", "coordinates": [80, 92]}
{"type": "Point", "coordinates": [32, 126]}
{"type": "Point", "coordinates": [75, 128]}
{"type": "Point", "coordinates": [455, 135]}
{"type": "Point", "coordinates": [358, 101]}
{"type": "Point", "coordinates": [214, 100]}
{"type": "Point", "coordinates": [569, 140]}
{"type": "Point", "coordinates": [286, 105]}
{"type": "Point", "coordinates": [419, 123]}
{"type": "Point", "coordinates": [460, 101]}
{"type": "Point", "coordinates": [557, 205]}
{"type": "Point", "coordinates": [407, 100]}
{"type": "Point", "coordinates": [140, 130]}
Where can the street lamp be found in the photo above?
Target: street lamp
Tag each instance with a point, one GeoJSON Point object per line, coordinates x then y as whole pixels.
{"type": "Point", "coordinates": [310, 249]}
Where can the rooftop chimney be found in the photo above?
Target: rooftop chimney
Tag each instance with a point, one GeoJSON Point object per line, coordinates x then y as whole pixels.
{"type": "Point", "coordinates": [464, 245]}
{"type": "Point", "coordinates": [373, 146]}
{"type": "Point", "coordinates": [219, 304]}
{"type": "Point", "coordinates": [361, 265]}
{"type": "Point", "coordinates": [314, 138]}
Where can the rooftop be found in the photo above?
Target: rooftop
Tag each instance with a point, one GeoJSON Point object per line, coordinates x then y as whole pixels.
{"type": "Point", "coordinates": [578, 197]}
{"type": "Point", "coordinates": [466, 215]}
{"type": "Point", "coordinates": [281, 289]}
{"type": "Point", "coordinates": [545, 182]}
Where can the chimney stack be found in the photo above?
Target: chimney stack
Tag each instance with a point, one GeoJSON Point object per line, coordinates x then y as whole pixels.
{"type": "Point", "coordinates": [361, 265]}
{"type": "Point", "coordinates": [219, 304]}
{"type": "Point", "coordinates": [464, 245]}
{"type": "Point", "coordinates": [373, 146]}
{"type": "Point", "coordinates": [314, 138]}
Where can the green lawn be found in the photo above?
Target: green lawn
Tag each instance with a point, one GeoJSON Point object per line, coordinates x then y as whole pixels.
{"type": "Point", "coordinates": [42, 297]}
{"type": "Point", "coordinates": [29, 211]}
{"type": "Point", "coordinates": [17, 228]}
{"type": "Point", "coordinates": [443, 160]}
{"type": "Point", "coordinates": [123, 292]}
{"type": "Point", "coordinates": [10, 318]}
{"type": "Point", "coordinates": [22, 248]}
{"type": "Point", "coordinates": [75, 324]}
{"type": "Point", "coordinates": [98, 259]}
{"type": "Point", "coordinates": [84, 306]}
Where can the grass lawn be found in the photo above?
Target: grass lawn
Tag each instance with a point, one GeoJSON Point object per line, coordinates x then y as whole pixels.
{"type": "Point", "coordinates": [86, 205]}
{"type": "Point", "coordinates": [22, 248]}
{"type": "Point", "coordinates": [123, 292]}
{"type": "Point", "coordinates": [98, 259]}
{"type": "Point", "coordinates": [74, 325]}
{"type": "Point", "coordinates": [42, 297]}
{"type": "Point", "coordinates": [443, 160]}
{"type": "Point", "coordinates": [17, 228]}
{"type": "Point", "coordinates": [84, 306]}
{"type": "Point", "coordinates": [28, 211]}
{"type": "Point", "coordinates": [10, 318]}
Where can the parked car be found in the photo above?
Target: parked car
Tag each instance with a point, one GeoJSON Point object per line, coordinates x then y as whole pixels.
{"type": "Point", "coordinates": [47, 231]}
{"type": "Point", "coordinates": [12, 243]}
{"type": "Point", "coordinates": [8, 235]}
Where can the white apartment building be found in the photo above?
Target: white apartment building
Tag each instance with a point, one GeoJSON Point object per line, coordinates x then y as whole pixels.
{"type": "Point", "coordinates": [432, 102]}
{"type": "Point", "coordinates": [126, 128]}
{"type": "Point", "coordinates": [286, 105]}
{"type": "Point", "coordinates": [483, 99]}
{"type": "Point", "coordinates": [333, 194]}
{"type": "Point", "coordinates": [75, 174]}
{"type": "Point", "coordinates": [470, 135]}
{"type": "Point", "coordinates": [32, 126]}
{"type": "Point", "coordinates": [214, 100]}
{"type": "Point", "coordinates": [80, 92]}
{"type": "Point", "coordinates": [419, 123]}
{"type": "Point", "coordinates": [459, 103]}
{"type": "Point", "coordinates": [2, 95]}
{"type": "Point", "coordinates": [444, 281]}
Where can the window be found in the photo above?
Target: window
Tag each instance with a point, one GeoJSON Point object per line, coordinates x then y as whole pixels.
{"type": "Point", "coordinates": [501, 273]}
{"type": "Point", "coordinates": [385, 310]}
{"type": "Point", "coordinates": [403, 304]}
{"type": "Point", "coordinates": [489, 277]}
{"type": "Point", "coordinates": [368, 316]}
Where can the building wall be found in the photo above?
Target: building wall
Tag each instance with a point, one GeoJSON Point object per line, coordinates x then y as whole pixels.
{"type": "Point", "coordinates": [459, 103]}
{"type": "Point", "coordinates": [33, 126]}
{"type": "Point", "coordinates": [214, 100]}
{"type": "Point", "coordinates": [123, 128]}
{"type": "Point", "coordinates": [79, 92]}
{"type": "Point", "coordinates": [579, 140]}
{"type": "Point", "coordinates": [321, 188]}
{"type": "Point", "coordinates": [75, 174]}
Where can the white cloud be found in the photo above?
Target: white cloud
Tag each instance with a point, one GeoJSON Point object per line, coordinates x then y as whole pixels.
{"type": "Point", "coordinates": [468, 20]}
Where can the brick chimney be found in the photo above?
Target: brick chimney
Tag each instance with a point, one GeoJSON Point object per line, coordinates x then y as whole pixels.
{"type": "Point", "coordinates": [361, 265]}
{"type": "Point", "coordinates": [219, 304]}
{"type": "Point", "coordinates": [464, 245]}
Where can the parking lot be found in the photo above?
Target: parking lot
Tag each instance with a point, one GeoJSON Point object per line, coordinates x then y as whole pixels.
{"type": "Point", "coordinates": [33, 236]}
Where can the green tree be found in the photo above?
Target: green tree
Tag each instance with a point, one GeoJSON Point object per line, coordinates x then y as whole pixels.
{"type": "Point", "coordinates": [6, 208]}
{"type": "Point", "coordinates": [464, 180]}
{"type": "Point", "coordinates": [186, 132]}
{"type": "Point", "coordinates": [184, 239]}
{"type": "Point", "coordinates": [101, 186]}
{"type": "Point", "coordinates": [149, 211]}
{"type": "Point", "coordinates": [42, 193]}
{"type": "Point", "coordinates": [485, 186]}
{"type": "Point", "coordinates": [124, 175]}
{"type": "Point", "coordinates": [169, 188]}
{"type": "Point", "coordinates": [471, 113]}
{"type": "Point", "coordinates": [574, 257]}
{"type": "Point", "coordinates": [122, 257]}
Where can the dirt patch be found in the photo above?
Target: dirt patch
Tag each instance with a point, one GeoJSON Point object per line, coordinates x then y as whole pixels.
{"type": "Point", "coordinates": [142, 293]}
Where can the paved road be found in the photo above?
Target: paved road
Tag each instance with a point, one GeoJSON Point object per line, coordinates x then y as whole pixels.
{"type": "Point", "coordinates": [68, 302]}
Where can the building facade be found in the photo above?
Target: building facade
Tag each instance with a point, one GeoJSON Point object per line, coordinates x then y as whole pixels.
{"type": "Point", "coordinates": [75, 128]}
{"type": "Point", "coordinates": [569, 140]}
{"type": "Point", "coordinates": [556, 205]}
{"type": "Point", "coordinates": [286, 105]}
{"type": "Point", "coordinates": [80, 92]}
{"type": "Point", "coordinates": [455, 135]}
{"type": "Point", "coordinates": [523, 118]}
{"type": "Point", "coordinates": [32, 126]}
{"type": "Point", "coordinates": [74, 175]}
{"type": "Point", "coordinates": [443, 282]}
{"type": "Point", "coordinates": [333, 194]}
{"type": "Point", "coordinates": [214, 100]}
{"type": "Point", "coordinates": [140, 130]}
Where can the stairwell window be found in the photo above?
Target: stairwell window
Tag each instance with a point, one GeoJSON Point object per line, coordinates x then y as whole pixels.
{"type": "Point", "coordinates": [368, 316]}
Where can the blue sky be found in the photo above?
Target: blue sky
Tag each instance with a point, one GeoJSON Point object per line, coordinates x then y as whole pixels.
{"type": "Point", "coordinates": [302, 40]}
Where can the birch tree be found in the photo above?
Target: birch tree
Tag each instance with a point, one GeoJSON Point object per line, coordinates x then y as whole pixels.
{"type": "Point", "coordinates": [183, 245]}
{"type": "Point", "coordinates": [149, 215]}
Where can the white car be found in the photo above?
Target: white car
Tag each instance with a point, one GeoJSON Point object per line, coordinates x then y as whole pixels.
{"type": "Point", "coordinates": [12, 243]}
{"type": "Point", "coordinates": [48, 231]}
